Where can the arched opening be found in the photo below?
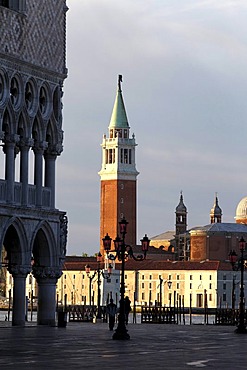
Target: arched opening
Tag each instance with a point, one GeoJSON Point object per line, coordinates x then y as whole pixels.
{"type": "Point", "coordinates": [41, 252]}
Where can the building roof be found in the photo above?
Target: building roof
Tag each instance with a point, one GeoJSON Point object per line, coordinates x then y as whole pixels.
{"type": "Point", "coordinates": [167, 235]}
{"type": "Point", "coordinates": [177, 265]}
{"type": "Point", "coordinates": [222, 227]}
{"type": "Point", "coordinates": [79, 263]}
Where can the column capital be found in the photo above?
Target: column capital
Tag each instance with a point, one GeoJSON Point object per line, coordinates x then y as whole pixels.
{"type": "Point", "coordinates": [40, 146]}
{"type": "Point", "coordinates": [11, 138]}
{"type": "Point", "coordinates": [19, 270]}
{"type": "Point", "coordinates": [54, 150]}
{"type": "Point", "coordinates": [47, 272]}
{"type": "Point", "coordinates": [26, 142]}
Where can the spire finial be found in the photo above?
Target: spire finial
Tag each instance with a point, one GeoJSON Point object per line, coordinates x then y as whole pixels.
{"type": "Point", "coordinates": [120, 79]}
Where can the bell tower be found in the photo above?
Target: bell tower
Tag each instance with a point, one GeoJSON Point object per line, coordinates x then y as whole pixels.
{"type": "Point", "coordinates": [216, 212]}
{"type": "Point", "coordinates": [181, 226]}
{"type": "Point", "coordinates": [118, 175]}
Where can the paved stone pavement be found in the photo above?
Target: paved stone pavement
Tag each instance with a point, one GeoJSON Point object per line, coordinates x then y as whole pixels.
{"type": "Point", "coordinates": [90, 346]}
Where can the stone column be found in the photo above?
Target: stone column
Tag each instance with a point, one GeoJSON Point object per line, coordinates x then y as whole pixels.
{"type": "Point", "coordinates": [19, 274]}
{"type": "Point", "coordinates": [50, 170]}
{"type": "Point", "coordinates": [47, 279]}
{"type": "Point", "coordinates": [24, 149]}
{"type": "Point", "coordinates": [38, 149]}
{"type": "Point", "coordinates": [9, 150]}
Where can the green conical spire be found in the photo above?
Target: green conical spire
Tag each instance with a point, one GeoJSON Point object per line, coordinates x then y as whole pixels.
{"type": "Point", "coordinates": [119, 116]}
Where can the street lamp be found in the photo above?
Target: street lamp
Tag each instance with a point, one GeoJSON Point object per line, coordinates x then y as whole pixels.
{"type": "Point", "coordinates": [241, 328]}
{"type": "Point", "coordinates": [123, 251]}
{"type": "Point", "coordinates": [98, 272]}
{"type": "Point", "coordinates": [169, 283]}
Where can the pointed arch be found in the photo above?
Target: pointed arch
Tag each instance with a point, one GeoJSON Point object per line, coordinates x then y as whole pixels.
{"type": "Point", "coordinates": [23, 126]}
{"type": "Point", "coordinates": [37, 129]}
{"type": "Point", "coordinates": [43, 245]}
{"type": "Point", "coordinates": [51, 133]}
{"type": "Point", "coordinates": [8, 122]}
{"type": "Point", "coordinates": [15, 241]}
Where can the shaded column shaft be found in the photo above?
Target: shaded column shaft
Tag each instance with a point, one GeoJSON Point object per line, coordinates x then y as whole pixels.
{"type": "Point", "coordinates": [50, 178]}
{"type": "Point", "coordinates": [9, 149]}
{"type": "Point", "coordinates": [24, 173]}
{"type": "Point", "coordinates": [19, 300]}
{"type": "Point", "coordinates": [46, 302]}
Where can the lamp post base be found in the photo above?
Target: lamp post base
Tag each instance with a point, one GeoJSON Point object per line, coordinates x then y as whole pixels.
{"type": "Point", "coordinates": [121, 333]}
{"type": "Point", "coordinates": [241, 330]}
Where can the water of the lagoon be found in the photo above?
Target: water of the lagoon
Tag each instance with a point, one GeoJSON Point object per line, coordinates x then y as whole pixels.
{"type": "Point", "coordinates": [196, 319]}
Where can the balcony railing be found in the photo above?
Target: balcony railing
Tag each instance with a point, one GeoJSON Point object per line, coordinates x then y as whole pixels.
{"type": "Point", "coordinates": [46, 195]}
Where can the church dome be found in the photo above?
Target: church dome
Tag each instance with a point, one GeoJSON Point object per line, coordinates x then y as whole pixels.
{"type": "Point", "coordinates": [241, 211]}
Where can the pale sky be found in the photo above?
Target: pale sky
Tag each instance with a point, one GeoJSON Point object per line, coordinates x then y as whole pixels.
{"type": "Point", "coordinates": [185, 91]}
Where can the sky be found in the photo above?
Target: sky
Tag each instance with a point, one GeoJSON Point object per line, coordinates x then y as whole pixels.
{"type": "Point", "coordinates": [185, 92]}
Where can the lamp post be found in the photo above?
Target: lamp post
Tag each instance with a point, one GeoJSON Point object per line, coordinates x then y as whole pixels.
{"type": "Point", "coordinates": [123, 251]}
{"type": "Point", "coordinates": [241, 328]}
{"type": "Point", "coordinates": [169, 283]}
{"type": "Point", "coordinates": [99, 273]}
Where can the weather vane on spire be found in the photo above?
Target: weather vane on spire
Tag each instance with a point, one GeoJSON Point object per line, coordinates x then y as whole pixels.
{"type": "Point", "coordinates": [120, 79]}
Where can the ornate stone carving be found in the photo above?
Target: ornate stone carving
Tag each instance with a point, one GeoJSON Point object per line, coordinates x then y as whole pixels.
{"type": "Point", "coordinates": [63, 234]}
{"type": "Point", "coordinates": [46, 272]}
{"type": "Point", "coordinates": [19, 270]}
{"type": "Point", "coordinates": [39, 147]}
{"type": "Point", "coordinates": [27, 142]}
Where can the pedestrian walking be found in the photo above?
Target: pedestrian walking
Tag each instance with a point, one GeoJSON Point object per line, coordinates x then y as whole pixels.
{"type": "Point", "coordinates": [111, 311]}
{"type": "Point", "coordinates": [127, 309]}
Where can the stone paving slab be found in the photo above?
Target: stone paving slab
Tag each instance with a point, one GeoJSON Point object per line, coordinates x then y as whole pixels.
{"type": "Point", "coordinates": [90, 346]}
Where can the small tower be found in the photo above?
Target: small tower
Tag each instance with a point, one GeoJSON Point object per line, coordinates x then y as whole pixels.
{"type": "Point", "coordinates": [216, 212]}
{"type": "Point", "coordinates": [118, 175]}
{"type": "Point", "coordinates": [181, 226]}
{"type": "Point", "coordinates": [181, 216]}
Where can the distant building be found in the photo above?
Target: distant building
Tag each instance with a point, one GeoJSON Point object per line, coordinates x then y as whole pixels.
{"type": "Point", "coordinates": [214, 281]}
{"type": "Point", "coordinates": [118, 175]}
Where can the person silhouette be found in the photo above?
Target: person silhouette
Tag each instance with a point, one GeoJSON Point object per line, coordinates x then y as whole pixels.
{"type": "Point", "coordinates": [111, 310]}
{"type": "Point", "coordinates": [127, 309]}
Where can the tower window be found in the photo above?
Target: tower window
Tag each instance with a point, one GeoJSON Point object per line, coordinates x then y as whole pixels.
{"type": "Point", "coordinates": [129, 156]}
{"type": "Point", "coordinates": [118, 133]}
{"type": "Point", "coordinates": [111, 155]}
{"type": "Point", "coordinates": [126, 156]}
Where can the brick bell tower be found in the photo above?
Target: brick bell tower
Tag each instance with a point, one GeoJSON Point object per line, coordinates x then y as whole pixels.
{"type": "Point", "coordinates": [118, 175]}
